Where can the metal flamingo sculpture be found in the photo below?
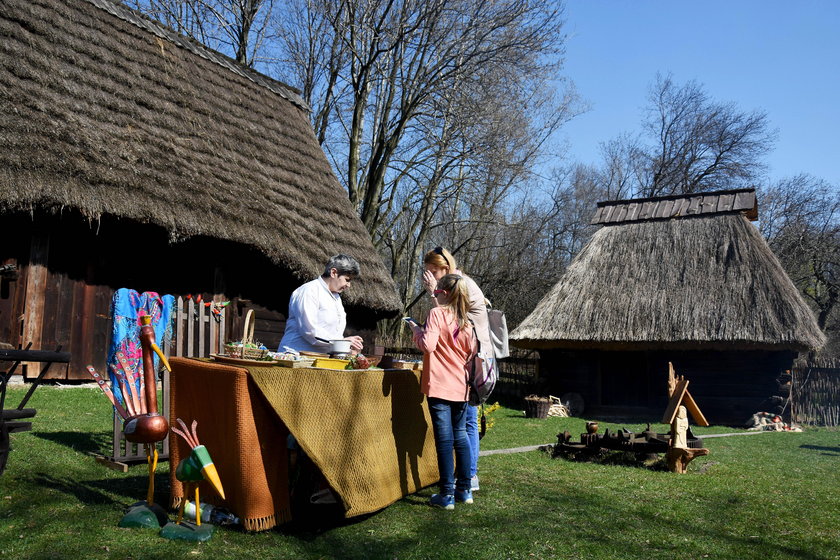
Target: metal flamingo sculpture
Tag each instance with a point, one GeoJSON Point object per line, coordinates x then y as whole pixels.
{"type": "Point", "coordinates": [147, 426]}
{"type": "Point", "coordinates": [195, 468]}
{"type": "Point", "coordinates": [142, 423]}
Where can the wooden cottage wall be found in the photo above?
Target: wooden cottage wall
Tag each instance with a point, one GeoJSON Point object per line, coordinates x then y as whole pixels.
{"type": "Point", "coordinates": [14, 251]}
{"type": "Point", "coordinates": [68, 269]}
{"type": "Point", "coordinates": [54, 303]}
{"type": "Point", "coordinates": [729, 386]}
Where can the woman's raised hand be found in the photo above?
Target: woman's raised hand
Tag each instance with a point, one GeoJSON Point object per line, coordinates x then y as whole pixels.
{"type": "Point", "coordinates": [429, 282]}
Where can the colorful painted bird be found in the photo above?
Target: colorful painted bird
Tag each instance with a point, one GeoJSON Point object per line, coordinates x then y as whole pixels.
{"type": "Point", "coordinates": [195, 468]}
{"type": "Point", "coordinates": [142, 423]}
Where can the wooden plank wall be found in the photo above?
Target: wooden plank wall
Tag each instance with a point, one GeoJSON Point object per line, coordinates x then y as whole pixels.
{"type": "Point", "coordinates": [729, 386]}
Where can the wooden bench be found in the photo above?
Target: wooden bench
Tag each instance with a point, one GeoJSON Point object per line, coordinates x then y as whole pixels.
{"type": "Point", "coordinates": [12, 419]}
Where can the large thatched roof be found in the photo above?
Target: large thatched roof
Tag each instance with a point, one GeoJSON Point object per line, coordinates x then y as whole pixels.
{"type": "Point", "coordinates": [107, 113]}
{"type": "Point", "coordinates": [703, 280]}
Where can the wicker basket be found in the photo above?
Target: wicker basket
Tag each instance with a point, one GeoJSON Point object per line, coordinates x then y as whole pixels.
{"type": "Point", "coordinates": [537, 407]}
{"type": "Point", "coordinates": [241, 349]}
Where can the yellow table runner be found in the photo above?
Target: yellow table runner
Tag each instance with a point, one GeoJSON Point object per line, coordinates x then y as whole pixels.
{"type": "Point", "coordinates": [369, 432]}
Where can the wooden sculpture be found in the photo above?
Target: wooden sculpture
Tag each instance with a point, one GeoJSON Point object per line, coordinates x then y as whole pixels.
{"type": "Point", "coordinates": [142, 423]}
{"type": "Point", "coordinates": [679, 454]}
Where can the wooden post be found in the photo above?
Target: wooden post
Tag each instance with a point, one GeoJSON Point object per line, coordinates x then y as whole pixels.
{"type": "Point", "coordinates": [36, 285]}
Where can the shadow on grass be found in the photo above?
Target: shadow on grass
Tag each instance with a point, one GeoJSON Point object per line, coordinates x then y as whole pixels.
{"type": "Point", "coordinates": [108, 491]}
{"type": "Point", "coordinates": [650, 461]}
{"type": "Point", "coordinates": [591, 513]}
{"type": "Point", "coordinates": [83, 442]}
{"type": "Point", "coordinates": [317, 521]}
{"type": "Point", "coordinates": [830, 451]}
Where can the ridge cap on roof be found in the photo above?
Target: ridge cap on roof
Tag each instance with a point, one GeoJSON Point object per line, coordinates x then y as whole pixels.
{"type": "Point", "coordinates": [675, 196]}
{"type": "Point", "coordinates": [142, 21]}
{"type": "Point", "coordinates": [730, 201]}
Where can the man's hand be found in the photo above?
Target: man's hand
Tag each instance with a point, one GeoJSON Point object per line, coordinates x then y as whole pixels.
{"type": "Point", "coordinates": [356, 342]}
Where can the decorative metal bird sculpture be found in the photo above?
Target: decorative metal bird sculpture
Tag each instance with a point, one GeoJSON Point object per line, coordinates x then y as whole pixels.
{"type": "Point", "coordinates": [142, 423]}
{"type": "Point", "coordinates": [195, 468]}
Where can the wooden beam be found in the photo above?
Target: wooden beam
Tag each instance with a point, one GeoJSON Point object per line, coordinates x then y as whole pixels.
{"type": "Point", "coordinates": [36, 283]}
{"type": "Point", "coordinates": [672, 379]}
{"type": "Point", "coordinates": [694, 410]}
{"type": "Point", "coordinates": [35, 356]}
{"type": "Point", "coordinates": [674, 403]}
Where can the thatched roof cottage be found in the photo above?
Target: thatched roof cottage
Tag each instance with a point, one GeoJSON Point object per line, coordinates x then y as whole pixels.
{"type": "Point", "coordinates": [134, 157]}
{"type": "Point", "coordinates": [683, 279]}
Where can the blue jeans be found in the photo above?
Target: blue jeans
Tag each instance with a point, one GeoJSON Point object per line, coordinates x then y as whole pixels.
{"type": "Point", "coordinates": [449, 426]}
{"type": "Point", "coordinates": [472, 438]}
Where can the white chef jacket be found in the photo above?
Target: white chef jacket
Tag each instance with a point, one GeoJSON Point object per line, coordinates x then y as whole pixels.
{"type": "Point", "coordinates": [313, 311]}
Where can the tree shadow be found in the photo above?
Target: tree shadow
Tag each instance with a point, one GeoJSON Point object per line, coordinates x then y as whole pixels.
{"type": "Point", "coordinates": [106, 491]}
{"type": "Point", "coordinates": [84, 442]}
{"type": "Point", "coordinates": [831, 451]}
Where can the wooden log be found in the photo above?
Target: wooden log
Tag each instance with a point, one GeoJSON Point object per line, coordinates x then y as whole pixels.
{"type": "Point", "coordinates": [678, 459]}
{"type": "Point", "coordinates": [15, 414]}
{"type": "Point", "coordinates": [34, 356]}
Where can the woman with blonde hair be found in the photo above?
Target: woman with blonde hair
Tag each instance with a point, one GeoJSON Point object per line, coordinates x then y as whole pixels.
{"type": "Point", "coordinates": [448, 343]}
{"type": "Point", "coordinates": [437, 263]}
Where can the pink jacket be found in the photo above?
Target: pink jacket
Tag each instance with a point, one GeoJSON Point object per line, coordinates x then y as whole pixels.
{"type": "Point", "coordinates": [446, 350]}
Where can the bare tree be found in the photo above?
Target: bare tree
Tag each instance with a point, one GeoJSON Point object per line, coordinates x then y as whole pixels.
{"type": "Point", "coordinates": [235, 27]}
{"type": "Point", "coordinates": [623, 168]}
{"type": "Point", "coordinates": [700, 144]}
{"type": "Point", "coordinates": [398, 58]}
{"type": "Point", "coordinates": [800, 217]}
{"type": "Point", "coordinates": [433, 113]}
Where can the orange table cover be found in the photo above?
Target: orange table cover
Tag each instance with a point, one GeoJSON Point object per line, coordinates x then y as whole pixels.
{"type": "Point", "coordinates": [369, 433]}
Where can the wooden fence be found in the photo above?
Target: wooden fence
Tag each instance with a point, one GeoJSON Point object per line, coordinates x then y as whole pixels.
{"type": "Point", "coordinates": [518, 377]}
{"type": "Point", "coordinates": [815, 393]}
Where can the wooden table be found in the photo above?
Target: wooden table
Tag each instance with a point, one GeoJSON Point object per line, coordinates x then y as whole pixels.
{"type": "Point", "coordinates": [368, 432]}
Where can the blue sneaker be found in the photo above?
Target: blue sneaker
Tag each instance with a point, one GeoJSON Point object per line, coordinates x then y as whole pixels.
{"type": "Point", "coordinates": [464, 496]}
{"type": "Point", "coordinates": [441, 501]}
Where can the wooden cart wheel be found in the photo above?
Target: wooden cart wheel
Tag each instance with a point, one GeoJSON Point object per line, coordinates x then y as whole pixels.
{"type": "Point", "coordinates": [4, 445]}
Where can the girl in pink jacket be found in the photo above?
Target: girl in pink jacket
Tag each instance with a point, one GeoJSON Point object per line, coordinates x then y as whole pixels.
{"type": "Point", "coordinates": [448, 343]}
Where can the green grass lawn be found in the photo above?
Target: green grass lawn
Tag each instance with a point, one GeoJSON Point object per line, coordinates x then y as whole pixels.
{"type": "Point", "coordinates": [766, 496]}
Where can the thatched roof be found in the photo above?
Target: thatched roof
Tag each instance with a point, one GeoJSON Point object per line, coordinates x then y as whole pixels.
{"type": "Point", "coordinates": [107, 113]}
{"type": "Point", "coordinates": [700, 281]}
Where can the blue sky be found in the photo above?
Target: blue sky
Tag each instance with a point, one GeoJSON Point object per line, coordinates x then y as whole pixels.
{"type": "Point", "coordinates": [782, 57]}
